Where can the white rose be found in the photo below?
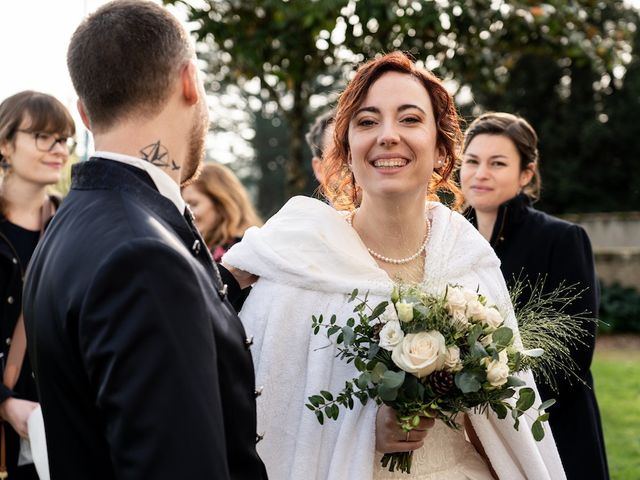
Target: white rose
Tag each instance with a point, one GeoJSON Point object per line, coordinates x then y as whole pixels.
{"type": "Point", "coordinates": [455, 300]}
{"type": "Point", "coordinates": [389, 314]}
{"type": "Point", "coordinates": [486, 340]}
{"type": "Point", "coordinates": [405, 311]}
{"type": "Point", "coordinates": [492, 318]}
{"type": "Point", "coordinates": [475, 310]}
{"type": "Point", "coordinates": [469, 295]}
{"type": "Point", "coordinates": [498, 370]}
{"type": "Point", "coordinates": [391, 335]}
{"type": "Point", "coordinates": [452, 361]}
{"type": "Point", "coordinates": [420, 353]}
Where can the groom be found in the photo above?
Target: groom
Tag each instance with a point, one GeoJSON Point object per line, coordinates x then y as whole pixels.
{"type": "Point", "coordinates": [142, 366]}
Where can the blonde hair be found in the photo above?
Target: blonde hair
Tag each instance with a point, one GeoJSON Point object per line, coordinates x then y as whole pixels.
{"type": "Point", "coordinates": [231, 201]}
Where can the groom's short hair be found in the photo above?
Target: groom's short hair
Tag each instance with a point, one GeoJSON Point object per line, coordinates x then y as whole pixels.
{"type": "Point", "coordinates": [123, 59]}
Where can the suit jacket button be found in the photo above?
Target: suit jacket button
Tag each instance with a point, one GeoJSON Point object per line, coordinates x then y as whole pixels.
{"type": "Point", "coordinates": [223, 291]}
{"type": "Point", "coordinates": [14, 260]}
{"type": "Point", "coordinates": [259, 437]}
{"type": "Point", "coordinates": [196, 247]}
{"type": "Point", "coordinates": [258, 391]}
{"type": "Point", "coordinates": [8, 341]}
{"type": "Point", "coordinates": [10, 300]}
{"type": "Point", "coordinates": [248, 342]}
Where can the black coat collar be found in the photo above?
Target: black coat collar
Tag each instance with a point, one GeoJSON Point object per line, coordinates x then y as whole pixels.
{"type": "Point", "coordinates": [510, 215]}
{"type": "Point", "coordinates": [104, 174]}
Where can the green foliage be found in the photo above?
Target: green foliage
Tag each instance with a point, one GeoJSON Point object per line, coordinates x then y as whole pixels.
{"type": "Point", "coordinates": [619, 309]}
{"type": "Point", "coordinates": [560, 64]}
{"type": "Point", "coordinates": [545, 325]}
{"type": "Point", "coordinates": [617, 383]}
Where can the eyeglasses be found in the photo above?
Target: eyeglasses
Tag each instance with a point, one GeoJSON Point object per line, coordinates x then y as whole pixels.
{"type": "Point", "coordinates": [45, 142]}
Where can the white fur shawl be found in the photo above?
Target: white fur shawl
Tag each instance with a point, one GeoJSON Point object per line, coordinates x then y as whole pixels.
{"type": "Point", "coordinates": [308, 259]}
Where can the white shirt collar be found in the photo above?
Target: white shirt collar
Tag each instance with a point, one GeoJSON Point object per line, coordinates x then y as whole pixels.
{"type": "Point", "coordinates": [163, 182]}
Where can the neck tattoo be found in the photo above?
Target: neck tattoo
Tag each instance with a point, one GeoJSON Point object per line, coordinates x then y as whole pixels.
{"type": "Point", "coordinates": [396, 261]}
{"type": "Point", "coordinates": [158, 155]}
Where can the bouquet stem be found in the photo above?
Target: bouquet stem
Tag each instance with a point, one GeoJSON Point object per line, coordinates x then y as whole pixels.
{"type": "Point", "coordinates": [398, 460]}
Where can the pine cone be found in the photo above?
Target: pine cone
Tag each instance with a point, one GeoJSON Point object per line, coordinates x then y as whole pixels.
{"type": "Point", "coordinates": [441, 382]}
{"type": "Point", "coordinates": [376, 331]}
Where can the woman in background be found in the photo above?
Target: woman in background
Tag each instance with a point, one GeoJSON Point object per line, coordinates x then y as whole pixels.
{"type": "Point", "coordinates": [221, 208]}
{"type": "Point", "coordinates": [500, 179]}
{"type": "Point", "coordinates": [36, 138]}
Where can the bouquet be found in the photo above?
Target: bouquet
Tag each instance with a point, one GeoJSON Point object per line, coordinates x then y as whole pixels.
{"type": "Point", "coordinates": [435, 356]}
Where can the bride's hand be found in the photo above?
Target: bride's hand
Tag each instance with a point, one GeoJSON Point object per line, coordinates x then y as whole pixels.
{"type": "Point", "coordinates": [243, 278]}
{"type": "Point", "coordinates": [391, 438]}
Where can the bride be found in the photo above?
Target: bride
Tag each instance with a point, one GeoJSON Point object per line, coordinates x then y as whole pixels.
{"type": "Point", "coordinates": [396, 142]}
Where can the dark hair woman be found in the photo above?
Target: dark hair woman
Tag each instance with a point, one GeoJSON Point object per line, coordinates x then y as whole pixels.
{"type": "Point", "coordinates": [36, 138]}
{"type": "Point", "coordinates": [500, 180]}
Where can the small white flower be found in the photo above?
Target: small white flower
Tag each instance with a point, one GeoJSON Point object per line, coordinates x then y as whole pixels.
{"type": "Point", "coordinates": [405, 311]}
{"type": "Point", "coordinates": [452, 361]}
{"type": "Point", "coordinates": [469, 295]}
{"type": "Point", "coordinates": [391, 335]}
{"type": "Point", "coordinates": [498, 370]}
{"type": "Point", "coordinates": [475, 310]}
{"type": "Point", "coordinates": [420, 353]}
{"type": "Point", "coordinates": [389, 314]}
{"type": "Point", "coordinates": [492, 318]}
{"type": "Point", "coordinates": [455, 301]}
{"type": "Point", "coordinates": [486, 340]}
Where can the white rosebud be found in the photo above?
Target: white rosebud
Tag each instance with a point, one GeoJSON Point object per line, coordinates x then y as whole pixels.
{"type": "Point", "coordinates": [391, 335]}
{"type": "Point", "coordinates": [405, 311]}
{"type": "Point", "coordinates": [498, 370]}
{"type": "Point", "coordinates": [452, 361]}
{"type": "Point", "coordinates": [455, 301]}
{"type": "Point", "coordinates": [486, 340]}
{"type": "Point", "coordinates": [389, 314]}
{"type": "Point", "coordinates": [475, 310]}
{"type": "Point", "coordinates": [492, 318]}
{"type": "Point", "coordinates": [420, 353]}
{"type": "Point", "coordinates": [469, 295]}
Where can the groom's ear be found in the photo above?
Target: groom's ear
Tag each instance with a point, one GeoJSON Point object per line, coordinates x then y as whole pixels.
{"type": "Point", "coordinates": [83, 114]}
{"type": "Point", "coordinates": [189, 83]}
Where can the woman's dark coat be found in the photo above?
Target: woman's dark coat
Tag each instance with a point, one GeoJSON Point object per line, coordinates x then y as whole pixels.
{"type": "Point", "coordinates": [532, 245]}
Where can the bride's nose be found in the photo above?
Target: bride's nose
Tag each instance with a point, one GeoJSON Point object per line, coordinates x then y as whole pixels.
{"type": "Point", "coordinates": [388, 135]}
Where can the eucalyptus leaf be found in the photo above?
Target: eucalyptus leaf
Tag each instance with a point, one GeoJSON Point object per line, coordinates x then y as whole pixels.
{"type": "Point", "coordinates": [500, 409]}
{"type": "Point", "coordinates": [377, 372]}
{"type": "Point", "coordinates": [502, 337]}
{"type": "Point", "coordinates": [379, 310]}
{"type": "Point", "coordinates": [546, 404]}
{"type": "Point", "coordinates": [525, 399]}
{"type": "Point", "coordinates": [391, 379]}
{"type": "Point", "coordinates": [513, 381]}
{"type": "Point", "coordinates": [478, 351]}
{"type": "Point", "coordinates": [537, 430]}
{"type": "Point", "coordinates": [387, 394]}
{"type": "Point", "coordinates": [467, 382]}
{"type": "Point", "coordinates": [474, 334]}
{"type": "Point", "coordinates": [533, 352]}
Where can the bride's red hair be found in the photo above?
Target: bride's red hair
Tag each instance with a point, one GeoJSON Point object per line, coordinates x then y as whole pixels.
{"type": "Point", "coordinates": [337, 185]}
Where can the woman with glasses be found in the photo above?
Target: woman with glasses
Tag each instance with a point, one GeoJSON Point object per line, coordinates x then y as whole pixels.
{"type": "Point", "coordinates": [36, 138]}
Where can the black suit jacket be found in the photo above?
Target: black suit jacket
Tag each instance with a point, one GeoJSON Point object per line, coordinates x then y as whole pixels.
{"type": "Point", "coordinates": [142, 366]}
{"type": "Point", "coordinates": [532, 244]}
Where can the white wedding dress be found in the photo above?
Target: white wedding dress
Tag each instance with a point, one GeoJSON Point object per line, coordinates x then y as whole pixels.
{"type": "Point", "coordinates": [309, 259]}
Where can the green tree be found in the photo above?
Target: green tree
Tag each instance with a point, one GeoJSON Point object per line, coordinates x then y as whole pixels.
{"type": "Point", "coordinates": [301, 51]}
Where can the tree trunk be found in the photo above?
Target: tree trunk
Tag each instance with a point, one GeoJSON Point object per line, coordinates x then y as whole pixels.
{"type": "Point", "coordinates": [296, 176]}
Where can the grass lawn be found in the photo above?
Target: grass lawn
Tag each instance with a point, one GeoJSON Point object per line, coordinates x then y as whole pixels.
{"type": "Point", "coordinates": [617, 381]}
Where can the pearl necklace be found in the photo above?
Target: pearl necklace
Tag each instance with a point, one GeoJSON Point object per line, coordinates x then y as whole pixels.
{"type": "Point", "coordinates": [395, 261]}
